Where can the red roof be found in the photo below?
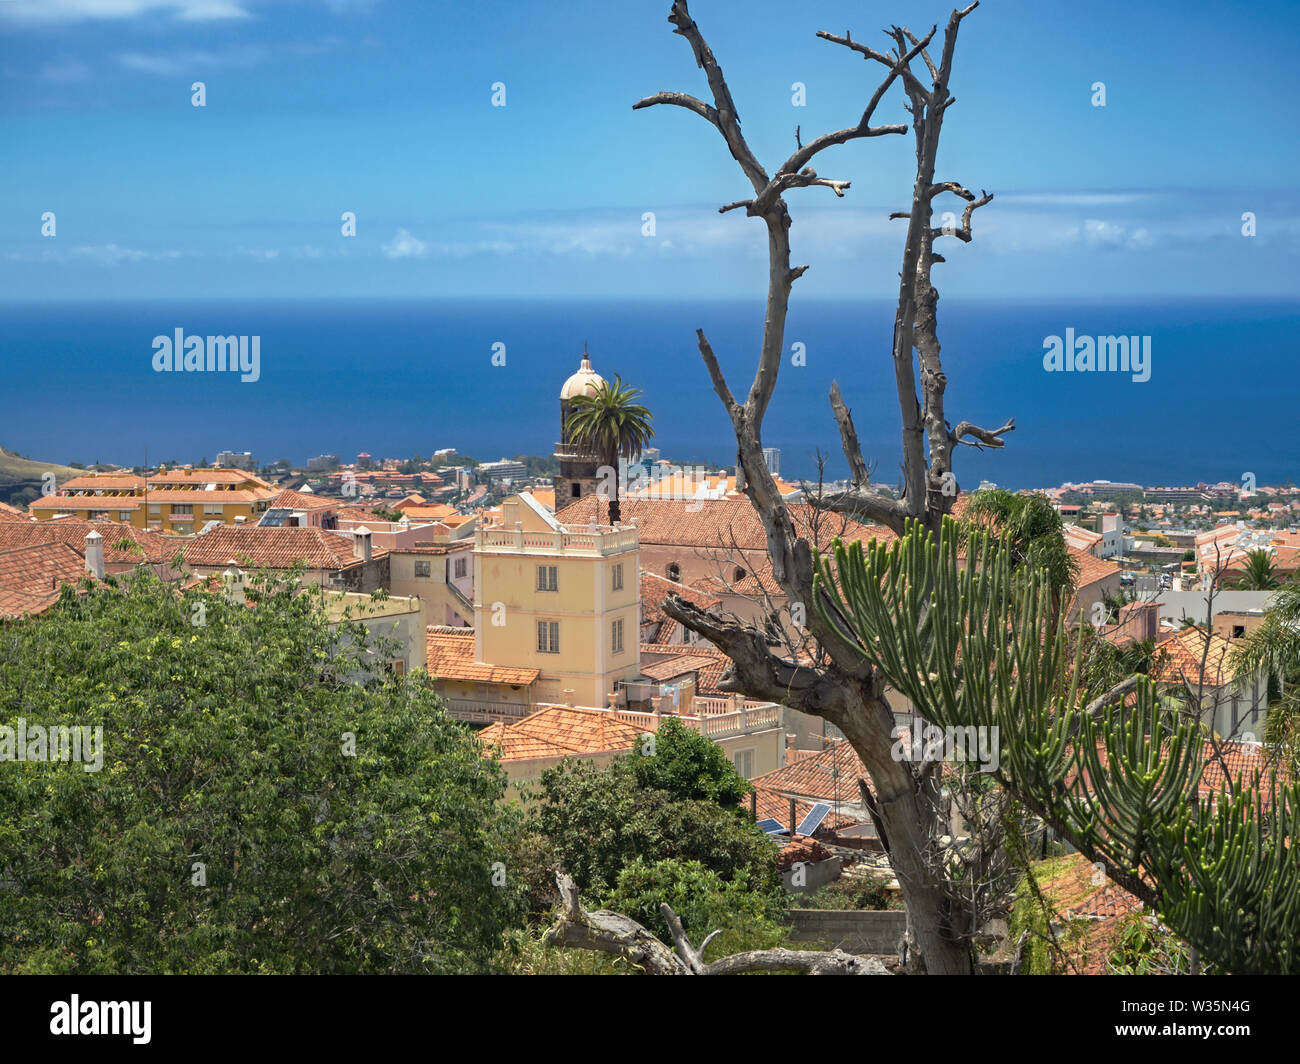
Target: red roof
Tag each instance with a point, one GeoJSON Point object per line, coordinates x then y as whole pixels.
{"type": "Point", "coordinates": [272, 548]}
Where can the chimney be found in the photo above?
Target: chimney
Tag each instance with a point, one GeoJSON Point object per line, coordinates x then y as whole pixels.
{"type": "Point", "coordinates": [232, 581]}
{"type": "Point", "coordinates": [95, 554]}
{"type": "Point", "coordinates": [361, 543]}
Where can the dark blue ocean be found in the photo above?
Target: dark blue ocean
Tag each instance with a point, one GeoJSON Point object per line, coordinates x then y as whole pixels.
{"type": "Point", "coordinates": [396, 378]}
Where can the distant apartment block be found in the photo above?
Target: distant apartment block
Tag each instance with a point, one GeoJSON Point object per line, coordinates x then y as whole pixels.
{"type": "Point", "coordinates": [772, 456]}
{"type": "Point", "coordinates": [236, 460]}
{"type": "Point", "coordinates": [180, 500]}
{"type": "Point", "coordinates": [1099, 490]}
{"type": "Point", "coordinates": [505, 469]}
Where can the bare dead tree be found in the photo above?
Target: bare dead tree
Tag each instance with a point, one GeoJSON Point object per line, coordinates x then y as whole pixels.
{"type": "Point", "coordinates": [609, 932]}
{"type": "Point", "coordinates": [841, 688]}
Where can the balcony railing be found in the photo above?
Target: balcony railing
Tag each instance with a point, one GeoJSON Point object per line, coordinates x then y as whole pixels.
{"type": "Point", "coordinates": [597, 540]}
{"type": "Point", "coordinates": [476, 712]}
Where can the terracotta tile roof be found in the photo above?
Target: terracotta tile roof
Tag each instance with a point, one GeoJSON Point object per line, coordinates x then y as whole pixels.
{"type": "Point", "coordinates": [12, 513]}
{"type": "Point", "coordinates": [718, 523]}
{"type": "Point", "coordinates": [288, 499]}
{"type": "Point", "coordinates": [654, 590]}
{"type": "Point", "coordinates": [425, 511]}
{"type": "Point", "coordinates": [1092, 569]}
{"type": "Point", "coordinates": [272, 548]}
{"type": "Point", "coordinates": [154, 547]}
{"type": "Point", "coordinates": [87, 502]}
{"type": "Point", "coordinates": [676, 665]}
{"type": "Point", "coordinates": [1094, 909]}
{"type": "Point", "coordinates": [812, 777]}
{"type": "Point", "coordinates": [1243, 761]}
{"type": "Point", "coordinates": [560, 731]}
{"type": "Point", "coordinates": [706, 660]}
{"type": "Point", "coordinates": [451, 657]}
{"type": "Point", "coordinates": [1183, 654]}
{"type": "Point", "coordinates": [357, 513]}
{"type": "Point", "coordinates": [113, 482]}
{"type": "Point", "coordinates": [773, 805]}
{"type": "Point", "coordinates": [208, 476]}
{"type": "Point", "coordinates": [31, 577]}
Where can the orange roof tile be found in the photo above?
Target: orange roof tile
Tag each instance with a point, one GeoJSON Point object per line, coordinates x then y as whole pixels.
{"type": "Point", "coordinates": [272, 548]}
{"type": "Point", "coordinates": [152, 546]}
{"type": "Point", "coordinates": [1183, 654]}
{"type": "Point", "coordinates": [718, 523]}
{"type": "Point", "coordinates": [560, 731]}
{"type": "Point", "coordinates": [829, 775]}
{"type": "Point", "coordinates": [451, 657]}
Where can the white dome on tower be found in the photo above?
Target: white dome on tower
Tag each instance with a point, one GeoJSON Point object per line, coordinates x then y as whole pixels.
{"type": "Point", "coordinates": [585, 382]}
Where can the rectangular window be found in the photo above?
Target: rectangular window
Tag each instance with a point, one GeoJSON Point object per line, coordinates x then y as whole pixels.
{"type": "Point", "coordinates": [547, 578]}
{"type": "Point", "coordinates": [618, 577]}
{"type": "Point", "coordinates": [462, 566]}
{"type": "Point", "coordinates": [124, 515]}
{"type": "Point", "coordinates": [616, 637]}
{"type": "Point", "coordinates": [154, 508]}
{"type": "Point", "coordinates": [548, 637]}
{"type": "Point", "coordinates": [744, 762]}
{"type": "Point", "coordinates": [182, 508]}
{"type": "Point", "coordinates": [213, 508]}
{"type": "Point", "coordinates": [423, 569]}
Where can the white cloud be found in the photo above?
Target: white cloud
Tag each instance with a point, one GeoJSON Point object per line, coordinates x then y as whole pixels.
{"type": "Point", "coordinates": [405, 246]}
{"type": "Point", "coordinates": [77, 10]}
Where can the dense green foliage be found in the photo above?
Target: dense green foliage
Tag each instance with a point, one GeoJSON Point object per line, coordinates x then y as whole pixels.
{"type": "Point", "coordinates": [231, 829]}
{"type": "Point", "coordinates": [689, 766]}
{"type": "Point", "coordinates": [748, 917]}
{"type": "Point", "coordinates": [598, 822]}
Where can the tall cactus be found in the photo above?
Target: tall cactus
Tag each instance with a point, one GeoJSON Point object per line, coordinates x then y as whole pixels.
{"type": "Point", "coordinates": [973, 641]}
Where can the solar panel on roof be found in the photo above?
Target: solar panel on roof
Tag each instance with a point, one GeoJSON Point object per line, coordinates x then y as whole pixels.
{"type": "Point", "coordinates": [274, 518]}
{"type": "Point", "coordinates": [772, 827]}
{"type": "Point", "coordinates": [813, 820]}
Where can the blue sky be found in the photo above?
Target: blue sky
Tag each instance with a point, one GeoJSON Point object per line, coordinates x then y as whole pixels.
{"type": "Point", "coordinates": [385, 108]}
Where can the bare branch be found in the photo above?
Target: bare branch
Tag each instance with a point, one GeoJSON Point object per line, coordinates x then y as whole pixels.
{"type": "Point", "coordinates": [849, 438]}
{"type": "Point", "coordinates": [987, 437]}
{"type": "Point", "coordinates": [964, 233]}
{"type": "Point", "coordinates": [680, 99]}
{"type": "Point", "coordinates": [609, 932]}
{"type": "Point", "coordinates": [614, 933]}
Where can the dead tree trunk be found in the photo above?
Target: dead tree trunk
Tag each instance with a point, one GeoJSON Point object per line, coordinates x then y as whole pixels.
{"type": "Point", "coordinates": [839, 687]}
{"type": "Point", "coordinates": [621, 936]}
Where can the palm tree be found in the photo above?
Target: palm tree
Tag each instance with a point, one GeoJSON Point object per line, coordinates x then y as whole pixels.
{"type": "Point", "coordinates": [1274, 648]}
{"type": "Point", "coordinates": [1259, 574]}
{"type": "Point", "coordinates": [1032, 529]}
{"type": "Point", "coordinates": [612, 425]}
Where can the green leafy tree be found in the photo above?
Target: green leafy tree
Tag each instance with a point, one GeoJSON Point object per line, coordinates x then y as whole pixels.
{"type": "Point", "coordinates": [613, 425]}
{"type": "Point", "coordinates": [597, 822]}
{"type": "Point", "coordinates": [255, 812]}
{"type": "Point", "coordinates": [689, 766]}
{"type": "Point", "coordinates": [746, 916]}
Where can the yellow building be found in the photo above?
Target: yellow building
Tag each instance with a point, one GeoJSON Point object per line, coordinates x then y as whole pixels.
{"type": "Point", "coordinates": [561, 600]}
{"type": "Point", "coordinates": [182, 500]}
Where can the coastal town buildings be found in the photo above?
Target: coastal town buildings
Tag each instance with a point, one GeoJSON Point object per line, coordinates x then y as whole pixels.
{"type": "Point", "coordinates": [178, 500]}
